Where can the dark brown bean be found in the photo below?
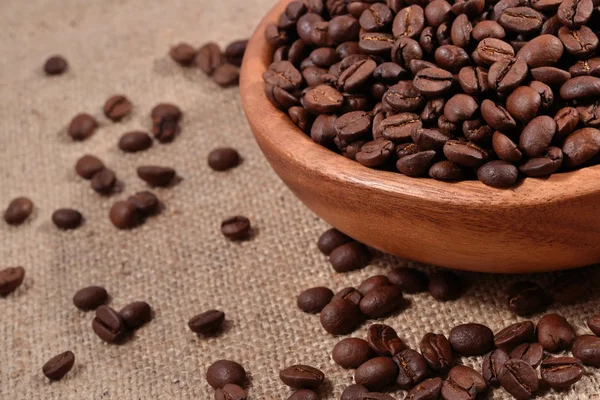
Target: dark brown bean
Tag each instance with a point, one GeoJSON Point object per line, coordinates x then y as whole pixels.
{"type": "Point", "coordinates": [67, 218]}
{"type": "Point", "coordinates": [222, 372]}
{"type": "Point", "coordinates": [581, 146]}
{"type": "Point", "coordinates": [207, 322]}
{"type": "Point", "coordinates": [57, 367]}
{"type": "Point", "coordinates": [124, 215]}
{"type": "Point", "coordinates": [587, 349]}
{"type": "Point", "coordinates": [236, 228]}
{"type": "Point", "coordinates": [410, 280]}
{"type": "Point", "coordinates": [136, 314]}
{"type": "Point", "coordinates": [10, 279]}
{"type": "Point", "coordinates": [463, 383]}
{"type": "Point", "coordinates": [384, 340]}
{"type": "Point", "coordinates": [515, 334]}
{"type": "Point", "coordinates": [416, 165]}
{"type": "Point", "coordinates": [429, 389]}
{"type": "Point", "coordinates": [223, 158]}
{"type": "Point", "coordinates": [301, 377]}
{"type": "Point", "coordinates": [554, 333]}
{"type": "Point", "coordinates": [471, 339]}
{"type": "Point", "coordinates": [594, 324]}
{"type": "Point", "coordinates": [231, 391]}
{"type": "Point", "coordinates": [104, 181]}
{"type": "Point", "coordinates": [519, 379]}
{"type": "Point", "coordinates": [18, 210]}
{"type": "Point", "coordinates": [90, 298]}
{"type": "Point", "coordinates": [349, 256]}
{"type": "Point", "coordinates": [340, 317]}
{"type": "Point", "coordinates": [412, 368]}
{"type": "Point", "coordinates": [117, 107]}
{"type": "Point", "coordinates": [351, 352]}
{"type": "Point", "coordinates": [531, 353]}
{"type": "Point", "coordinates": [437, 352]}
{"type": "Point", "coordinates": [526, 298]}
{"type": "Point", "coordinates": [376, 373]}
{"type": "Point", "coordinates": [445, 286]}
{"type": "Point", "coordinates": [446, 171]}
{"type": "Point", "coordinates": [561, 372]}
{"type": "Point", "coordinates": [183, 54]}
{"type": "Point", "coordinates": [465, 154]}
{"type": "Point", "coordinates": [108, 324]}
{"type": "Point", "coordinates": [156, 175]}
{"type": "Point", "coordinates": [209, 58]}
{"type": "Point", "coordinates": [498, 174]}
{"type": "Point", "coordinates": [313, 300]}
{"type": "Point", "coordinates": [55, 65]}
{"type": "Point", "coordinates": [82, 126]}
{"type": "Point", "coordinates": [491, 366]}
{"type": "Point", "coordinates": [382, 301]}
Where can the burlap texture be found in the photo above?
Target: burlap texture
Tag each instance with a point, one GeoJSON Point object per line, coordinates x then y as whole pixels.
{"type": "Point", "coordinates": [178, 261]}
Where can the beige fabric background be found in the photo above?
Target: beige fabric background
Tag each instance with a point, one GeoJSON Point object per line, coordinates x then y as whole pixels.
{"type": "Point", "coordinates": [177, 261]}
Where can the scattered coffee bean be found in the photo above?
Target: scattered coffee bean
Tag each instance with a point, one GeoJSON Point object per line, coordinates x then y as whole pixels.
{"type": "Point", "coordinates": [561, 372]}
{"type": "Point", "coordinates": [354, 392]}
{"type": "Point", "coordinates": [515, 334]}
{"type": "Point", "coordinates": [183, 54]}
{"type": "Point", "coordinates": [437, 352]}
{"type": "Point", "coordinates": [349, 293]}
{"type": "Point", "coordinates": [587, 349]}
{"type": "Point", "coordinates": [445, 286]}
{"type": "Point", "coordinates": [313, 300]}
{"type": "Point", "coordinates": [594, 324]}
{"type": "Point", "coordinates": [351, 352]}
{"type": "Point", "coordinates": [156, 175]}
{"type": "Point", "coordinates": [209, 58]}
{"type": "Point", "coordinates": [463, 383]}
{"type": "Point", "coordinates": [304, 394]}
{"type": "Point", "coordinates": [234, 52]}
{"type": "Point", "coordinates": [18, 210]}
{"type": "Point", "coordinates": [384, 340]}
{"type": "Point", "coordinates": [55, 65]}
{"type": "Point", "coordinates": [301, 377]}
{"type": "Point", "coordinates": [226, 75]}
{"type": "Point", "coordinates": [526, 298]}
{"type": "Point", "coordinates": [207, 322]}
{"type": "Point", "coordinates": [569, 287]}
{"type": "Point", "coordinates": [132, 142]}
{"type": "Point", "coordinates": [82, 126]}
{"type": "Point", "coordinates": [429, 389]}
{"type": "Point", "coordinates": [90, 298]}
{"type": "Point", "coordinates": [136, 314]}
{"type": "Point", "coordinates": [146, 202]}
{"type": "Point", "coordinates": [554, 333]}
{"type": "Point", "coordinates": [124, 215]}
{"type": "Point", "coordinates": [381, 301]}
{"type": "Point", "coordinates": [223, 158]}
{"type": "Point", "coordinates": [340, 317]}
{"type": "Point", "coordinates": [498, 174]}
{"type": "Point", "coordinates": [108, 324]}
{"type": "Point", "coordinates": [236, 228]}
{"type": "Point", "coordinates": [165, 121]}
{"type": "Point", "coordinates": [519, 379]}
{"type": "Point", "coordinates": [412, 368]}
{"type": "Point", "coordinates": [104, 181]}
{"type": "Point", "coordinates": [492, 363]}
{"type": "Point", "coordinates": [349, 256]}
{"type": "Point", "coordinates": [235, 392]}
{"type": "Point", "coordinates": [117, 107]}
{"type": "Point", "coordinates": [67, 218]}
{"type": "Point", "coordinates": [372, 283]}
{"type": "Point", "coordinates": [410, 280]}
{"type": "Point", "coordinates": [531, 353]}
{"type": "Point", "coordinates": [376, 373]}
{"type": "Point", "coordinates": [10, 279]}
{"type": "Point", "coordinates": [57, 367]}
{"type": "Point", "coordinates": [222, 372]}
{"type": "Point", "coordinates": [331, 240]}
{"type": "Point", "coordinates": [471, 339]}
{"type": "Point", "coordinates": [88, 166]}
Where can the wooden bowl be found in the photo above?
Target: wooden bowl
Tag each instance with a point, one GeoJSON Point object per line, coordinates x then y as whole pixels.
{"type": "Point", "coordinates": [539, 225]}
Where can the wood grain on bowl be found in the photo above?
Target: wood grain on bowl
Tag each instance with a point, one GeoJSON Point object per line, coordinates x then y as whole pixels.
{"type": "Point", "coordinates": [539, 225]}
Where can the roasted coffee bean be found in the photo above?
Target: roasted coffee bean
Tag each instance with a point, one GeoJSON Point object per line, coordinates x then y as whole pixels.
{"type": "Point", "coordinates": [146, 203]}
{"type": "Point", "coordinates": [349, 293]}
{"type": "Point", "coordinates": [274, 36]}
{"type": "Point", "coordinates": [313, 300]}
{"type": "Point", "coordinates": [136, 314]}
{"type": "Point", "coordinates": [531, 353]}
{"type": "Point", "coordinates": [403, 97]}
{"type": "Point", "coordinates": [586, 67]}
{"type": "Point", "coordinates": [523, 20]}
{"type": "Point", "coordinates": [234, 52]}
{"type": "Point", "coordinates": [104, 181]}
{"type": "Point", "coordinates": [554, 333]}
{"type": "Point", "coordinates": [471, 339]}
{"type": "Point", "coordinates": [381, 301]}
{"type": "Point", "coordinates": [471, 8]}
{"type": "Point", "coordinates": [505, 75]}
{"type": "Point", "coordinates": [412, 368]}
{"type": "Point", "coordinates": [323, 99]}
{"type": "Point", "coordinates": [306, 25]}
{"type": "Point", "coordinates": [347, 49]}
{"type": "Point", "coordinates": [340, 316]}
{"type": "Point", "coordinates": [526, 298]}
{"type": "Point", "coordinates": [301, 377]}
{"type": "Point", "coordinates": [461, 31]}
{"type": "Point", "coordinates": [465, 154]}
{"type": "Point", "coordinates": [473, 80]}
{"type": "Point", "coordinates": [301, 118]}
{"type": "Point", "coordinates": [400, 127]}
{"type": "Point", "coordinates": [284, 75]}
{"type": "Point", "coordinates": [82, 126]}
{"type": "Point", "coordinates": [372, 283]}
{"type": "Point", "coordinates": [376, 18]}
{"type": "Point", "coordinates": [515, 334]}
{"type": "Point", "coordinates": [343, 28]}
{"type": "Point", "coordinates": [488, 29]}
{"type": "Point", "coordinates": [389, 72]}
{"type": "Point", "coordinates": [575, 13]}
{"type": "Point", "coordinates": [498, 174]}
{"type": "Point", "coordinates": [222, 372]}
{"type": "Point", "coordinates": [409, 21]}
{"type": "Point", "coordinates": [90, 298]}
{"type": "Point", "coordinates": [67, 218]}
{"type": "Point", "coordinates": [124, 215]}
{"type": "Point", "coordinates": [410, 280]}
{"type": "Point", "coordinates": [551, 76]}
{"type": "Point", "coordinates": [437, 12]}
{"type": "Point", "coordinates": [356, 75]}
{"type": "Point", "coordinates": [580, 87]}
{"type": "Point", "coordinates": [348, 149]}
{"type": "Point", "coordinates": [447, 127]}
{"type": "Point", "coordinates": [427, 39]}
{"type": "Point", "coordinates": [209, 58]}
{"type": "Point", "coordinates": [349, 257]}
{"type": "Point", "coordinates": [416, 164]}
{"type": "Point", "coordinates": [430, 139]}
{"type": "Point", "coordinates": [429, 389]}
{"type": "Point", "coordinates": [235, 392]}
{"type": "Point", "coordinates": [451, 58]}
{"type": "Point", "coordinates": [132, 142]}
{"type": "Point", "coordinates": [375, 43]}
{"type": "Point", "coordinates": [57, 367]}
{"type": "Point", "coordinates": [331, 240]}
{"type": "Point", "coordinates": [566, 119]}
{"type": "Point", "coordinates": [108, 324]}
{"type": "Point", "coordinates": [384, 340]}
{"type": "Point", "coordinates": [354, 392]}
{"type": "Point", "coordinates": [594, 324]}
{"type": "Point", "coordinates": [523, 104]}
{"type": "Point", "coordinates": [377, 373]}
{"type": "Point", "coordinates": [549, 163]}
{"type": "Point", "coordinates": [165, 119]}
{"type": "Point", "coordinates": [351, 352]}
{"type": "Point", "coordinates": [445, 286]}
{"type": "Point", "coordinates": [587, 349]}
{"type": "Point", "coordinates": [589, 114]}
{"type": "Point", "coordinates": [541, 51]}
{"type": "Point", "coordinates": [519, 379]}
{"type": "Point", "coordinates": [324, 57]}
{"type": "Point", "coordinates": [561, 372]}
{"type": "Point", "coordinates": [55, 65]}
{"type": "Point", "coordinates": [183, 54]}
{"type": "Point", "coordinates": [570, 287]}
{"type": "Point", "coordinates": [353, 125]}
{"type": "Point", "coordinates": [117, 107]}
{"type": "Point", "coordinates": [581, 146]}
{"type": "Point", "coordinates": [433, 81]}
{"type": "Point", "coordinates": [279, 97]}
{"type": "Point", "coordinates": [492, 363]}
{"type": "Point", "coordinates": [223, 158]}
{"type": "Point", "coordinates": [460, 107]}
{"type": "Point", "coordinates": [10, 279]}
{"type": "Point", "coordinates": [496, 116]}
{"type": "Point", "coordinates": [491, 50]}
{"type": "Point", "coordinates": [405, 51]}
{"type": "Point", "coordinates": [545, 93]}
{"type": "Point", "coordinates": [463, 383]}
{"type": "Point", "coordinates": [375, 153]}
{"type": "Point", "coordinates": [236, 228]}
{"type": "Point", "coordinates": [477, 131]}
{"type": "Point", "coordinates": [156, 175]}
{"type": "Point", "coordinates": [18, 210]}
{"type": "Point", "coordinates": [226, 75]}
{"type": "Point", "coordinates": [207, 322]}
{"type": "Point", "coordinates": [580, 42]}
{"type": "Point", "coordinates": [443, 34]}
{"type": "Point", "coordinates": [446, 171]}
{"type": "Point", "coordinates": [406, 149]}
{"type": "Point", "coordinates": [437, 352]}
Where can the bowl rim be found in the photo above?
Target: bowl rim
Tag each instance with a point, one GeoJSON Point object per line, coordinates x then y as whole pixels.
{"type": "Point", "coordinates": [273, 126]}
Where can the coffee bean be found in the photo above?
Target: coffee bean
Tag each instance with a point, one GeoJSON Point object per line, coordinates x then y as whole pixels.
{"type": "Point", "coordinates": [515, 334]}
{"type": "Point", "coordinates": [587, 349]}
{"type": "Point", "coordinates": [561, 372]}
{"type": "Point", "coordinates": [313, 300]}
{"type": "Point", "coordinates": [375, 43]}
{"type": "Point", "coordinates": [581, 146]}
{"type": "Point", "coordinates": [505, 148]}
{"type": "Point", "coordinates": [400, 127]}
{"type": "Point", "coordinates": [349, 257]}
{"type": "Point", "coordinates": [433, 81]}
{"type": "Point", "coordinates": [183, 54]}
{"type": "Point", "coordinates": [222, 372]}
{"type": "Point", "coordinates": [343, 28]}
{"type": "Point", "coordinates": [381, 301]}
{"type": "Point", "coordinates": [531, 353]}
{"type": "Point", "coordinates": [488, 29]}
{"type": "Point", "coordinates": [132, 142]}
{"type": "Point", "coordinates": [351, 352]}
{"type": "Point", "coordinates": [409, 280]}
{"type": "Point", "coordinates": [231, 391]}
{"type": "Point", "coordinates": [412, 368]}
{"type": "Point", "coordinates": [460, 107]}
{"type": "Point", "coordinates": [88, 166]}
{"type": "Point", "coordinates": [349, 293]}
{"type": "Point", "coordinates": [541, 51]}
{"type": "Point", "coordinates": [223, 158]}
{"type": "Point", "coordinates": [491, 50]}
{"type": "Point", "coordinates": [377, 373]}
{"type": "Point", "coordinates": [384, 340]}
{"type": "Point", "coordinates": [554, 333]}
{"type": "Point", "coordinates": [353, 125]}
{"type": "Point", "coordinates": [594, 324]}
{"type": "Point", "coordinates": [519, 379]}
{"type": "Point", "coordinates": [586, 67]}
{"type": "Point", "coordinates": [521, 20]}
{"type": "Point", "coordinates": [377, 17]}
{"type": "Point", "coordinates": [275, 37]}
{"type": "Point", "coordinates": [279, 97]}
{"type": "Point", "coordinates": [117, 107]}
{"type": "Point", "coordinates": [234, 52]}
{"type": "Point", "coordinates": [526, 298]}
{"type": "Point", "coordinates": [473, 80]}
{"type": "Point", "coordinates": [354, 392]}
{"type": "Point", "coordinates": [445, 286]}
{"type": "Point", "coordinates": [226, 75]}
{"type": "Point", "coordinates": [589, 114]}
{"type": "Point", "coordinates": [427, 39]}
{"type": "Point", "coordinates": [375, 153]}
{"type": "Point", "coordinates": [323, 99]}
{"type": "Point", "coordinates": [429, 389]}
{"type": "Point", "coordinates": [124, 215]}
{"type": "Point", "coordinates": [372, 283]}
{"type": "Point", "coordinates": [465, 154]}
{"type": "Point", "coordinates": [580, 87]}
{"type": "Point", "coordinates": [136, 314]}
{"type": "Point", "coordinates": [451, 58]}
{"type": "Point", "coordinates": [409, 21]}
{"type": "Point", "coordinates": [104, 181]}
{"type": "Point", "coordinates": [236, 228]}
{"type": "Point", "coordinates": [566, 120]}
{"type": "Point", "coordinates": [207, 322]}
{"type": "Point", "coordinates": [82, 126]}
{"type": "Point", "coordinates": [461, 31]}
{"type": "Point", "coordinates": [156, 175]}
{"type": "Point", "coordinates": [405, 51]}
{"type": "Point", "coordinates": [437, 352]}
{"type": "Point", "coordinates": [108, 324]}
{"type": "Point", "coordinates": [356, 75]}
{"type": "Point", "coordinates": [446, 171]}
{"type": "Point", "coordinates": [10, 279]}
{"type": "Point", "coordinates": [209, 58]}
{"type": "Point", "coordinates": [55, 65]}
{"type": "Point", "coordinates": [471, 339]}
{"type": "Point", "coordinates": [505, 75]}
{"type": "Point", "coordinates": [403, 97]}
{"type": "Point", "coordinates": [524, 103]}
{"type": "Point", "coordinates": [90, 298]}
{"type": "Point", "coordinates": [575, 13]}
{"type": "Point", "coordinates": [492, 363]}
{"type": "Point", "coordinates": [471, 8]}
{"type": "Point", "coordinates": [463, 383]}
{"type": "Point", "coordinates": [165, 119]}
{"type": "Point", "coordinates": [301, 118]}
{"type": "Point", "coordinates": [340, 316]}
{"type": "Point", "coordinates": [67, 218]}
{"type": "Point", "coordinates": [389, 72]}
{"type": "Point", "coordinates": [433, 109]}
{"type": "Point", "coordinates": [57, 367]}
{"type": "Point", "coordinates": [18, 210]}
{"type": "Point", "coordinates": [570, 287]}
{"type": "Point", "coordinates": [145, 202]}
{"type": "Point", "coordinates": [551, 76]}
{"type": "Point", "coordinates": [498, 174]}
{"type": "Point", "coordinates": [331, 240]}
{"type": "Point", "coordinates": [580, 42]}
{"type": "Point", "coordinates": [416, 164]}
{"type": "Point", "coordinates": [301, 377]}
{"type": "Point", "coordinates": [496, 116]}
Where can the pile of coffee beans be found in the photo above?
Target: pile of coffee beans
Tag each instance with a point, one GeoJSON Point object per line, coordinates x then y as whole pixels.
{"type": "Point", "coordinates": [450, 90]}
{"type": "Point", "coordinates": [345, 254]}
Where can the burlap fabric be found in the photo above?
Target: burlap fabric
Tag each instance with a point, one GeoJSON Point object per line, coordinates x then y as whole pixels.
{"type": "Point", "coordinates": [178, 261]}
